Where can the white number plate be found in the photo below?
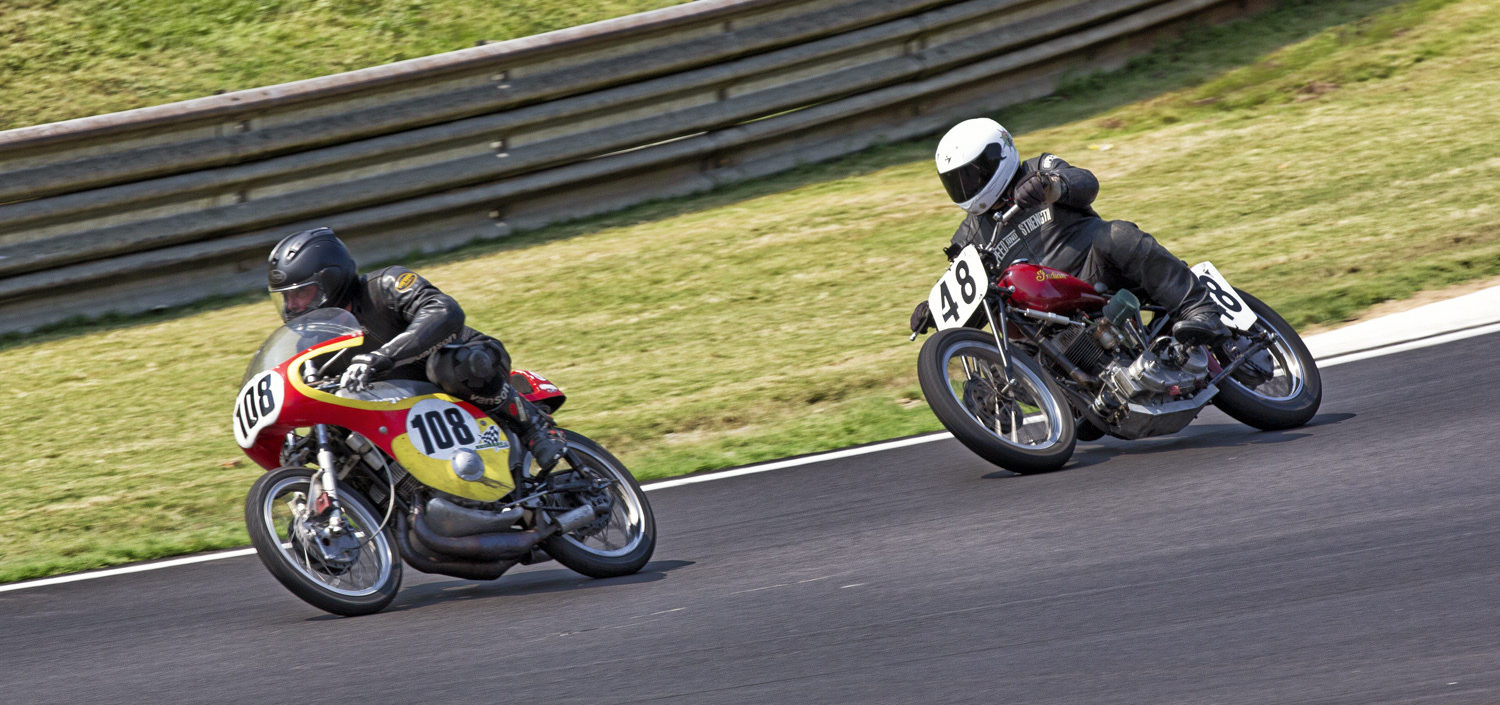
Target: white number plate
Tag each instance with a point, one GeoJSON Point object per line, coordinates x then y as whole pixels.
{"type": "Point", "coordinates": [1236, 314]}
{"type": "Point", "coordinates": [959, 292]}
{"type": "Point", "coordinates": [257, 406]}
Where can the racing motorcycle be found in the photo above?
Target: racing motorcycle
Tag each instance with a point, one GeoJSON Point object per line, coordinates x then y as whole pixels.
{"type": "Point", "coordinates": [1064, 361]}
{"type": "Point", "coordinates": [358, 482]}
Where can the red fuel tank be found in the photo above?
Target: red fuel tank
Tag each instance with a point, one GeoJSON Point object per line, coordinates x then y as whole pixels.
{"type": "Point", "coordinates": [1047, 289]}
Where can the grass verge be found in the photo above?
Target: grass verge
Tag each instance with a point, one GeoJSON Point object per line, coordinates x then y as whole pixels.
{"type": "Point", "coordinates": [62, 59]}
{"type": "Point", "coordinates": [1344, 168]}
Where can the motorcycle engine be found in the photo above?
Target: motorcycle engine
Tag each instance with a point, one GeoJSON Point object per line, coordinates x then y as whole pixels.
{"type": "Point", "coordinates": [1131, 372]}
{"type": "Point", "coordinates": [1166, 371]}
{"type": "Point", "coordinates": [1143, 389]}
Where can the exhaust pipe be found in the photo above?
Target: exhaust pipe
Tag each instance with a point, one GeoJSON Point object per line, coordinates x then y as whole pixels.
{"type": "Point", "coordinates": [575, 519]}
{"type": "Point", "coordinates": [430, 563]}
{"type": "Point", "coordinates": [449, 519]}
{"type": "Point", "coordinates": [494, 546]}
{"type": "Point", "coordinates": [499, 545]}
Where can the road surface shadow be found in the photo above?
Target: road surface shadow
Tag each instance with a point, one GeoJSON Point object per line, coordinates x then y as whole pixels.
{"type": "Point", "coordinates": [1223, 435]}
{"type": "Point", "coordinates": [526, 582]}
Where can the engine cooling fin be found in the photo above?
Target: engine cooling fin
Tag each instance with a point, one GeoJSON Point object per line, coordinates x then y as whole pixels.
{"type": "Point", "coordinates": [1082, 350]}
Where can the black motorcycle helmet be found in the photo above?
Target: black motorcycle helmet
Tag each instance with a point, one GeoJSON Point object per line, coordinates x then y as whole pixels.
{"type": "Point", "coordinates": [308, 270]}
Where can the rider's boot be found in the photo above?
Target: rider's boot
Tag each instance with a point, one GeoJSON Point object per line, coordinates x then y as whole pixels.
{"type": "Point", "coordinates": [538, 433]}
{"type": "Point", "coordinates": [1200, 324]}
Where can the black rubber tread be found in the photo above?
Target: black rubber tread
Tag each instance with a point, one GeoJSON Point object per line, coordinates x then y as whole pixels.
{"type": "Point", "coordinates": [586, 562]}
{"type": "Point", "coordinates": [1248, 408]}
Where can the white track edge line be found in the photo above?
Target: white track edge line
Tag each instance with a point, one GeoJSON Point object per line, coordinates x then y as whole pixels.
{"type": "Point", "coordinates": [1329, 361]}
{"type": "Point", "coordinates": [794, 462]}
{"type": "Point", "coordinates": [137, 568]}
{"type": "Point", "coordinates": [1404, 346]}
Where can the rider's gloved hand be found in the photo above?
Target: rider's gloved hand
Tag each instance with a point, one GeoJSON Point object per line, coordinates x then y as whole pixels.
{"type": "Point", "coordinates": [921, 318]}
{"type": "Point", "coordinates": [1039, 189]}
{"type": "Point", "coordinates": [364, 366]}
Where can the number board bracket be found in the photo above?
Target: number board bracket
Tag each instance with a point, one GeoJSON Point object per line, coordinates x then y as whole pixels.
{"type": "Point", "coordinates": [960, 291]}
{"type": "Point", "coordinates": [1235, 312]}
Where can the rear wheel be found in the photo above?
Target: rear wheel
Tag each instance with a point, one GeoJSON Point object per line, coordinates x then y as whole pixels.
{"type": "Point", "coordinates": [619, 542]}
{"type": "Point", "coordinates": [1020, 422]}
{"type": "Point", "coordinates": [347, 569]}
{"type": "Point", "coordinates": [1278, 388]}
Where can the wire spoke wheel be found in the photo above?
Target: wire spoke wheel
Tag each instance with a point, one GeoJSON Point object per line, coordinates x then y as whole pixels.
{"type": "Point", "coordinates": [620, 541]}
{"type": "Point", "coordinates": [1013, 414]}
{"type": "Point", "coordinates": [1274, 374]}
{"type": "Point", "coordinates": [346, 566]}
{"type": "Point", "coordinates": [1277, 388]}
{"type": "Point", "coordinates": [620, 530]}
{"type": "Point", "coordinates": [1017, 410]}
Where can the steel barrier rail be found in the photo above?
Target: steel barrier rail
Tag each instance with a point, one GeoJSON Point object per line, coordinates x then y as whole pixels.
{"type": "Point", "coordinates": [398, 184]}
{"type": "Point", "coordinates": [784, 83]}
{"type": "Point", "coordinates": [435, 139]}
{"type": "Point", "coordinates": [407, 125]}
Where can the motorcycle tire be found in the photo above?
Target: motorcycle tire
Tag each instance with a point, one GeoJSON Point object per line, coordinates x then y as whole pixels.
{"type": "Point", "coordinates": [1266, 407]}
{"type": "Point", "coordinates": [627, 538]}
{"type": "Point", "coordinates": [295, 567]}
{"type": "Point", "coordinates": [996, 443]}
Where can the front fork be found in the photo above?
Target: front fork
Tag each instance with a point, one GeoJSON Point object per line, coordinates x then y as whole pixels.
{"type": "Point", "coordinates": [1005, 394]}
{"type": "Point", "coordinates": [324, 484]}
{"type": "Point", "coordinates": [1000, 340]}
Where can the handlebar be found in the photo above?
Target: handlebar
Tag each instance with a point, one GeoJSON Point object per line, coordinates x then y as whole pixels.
{"type": "Point", "coordinates": [1001, 219]}
{"type": "Point", "coordinates": [1008, 214]}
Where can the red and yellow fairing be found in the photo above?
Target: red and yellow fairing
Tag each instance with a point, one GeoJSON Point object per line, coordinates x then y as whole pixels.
{"type": "Point", "coordinates": [386, 425]}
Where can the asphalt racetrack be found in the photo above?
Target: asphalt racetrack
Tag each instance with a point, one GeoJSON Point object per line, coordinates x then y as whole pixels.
{"type": "Point", "coordinates": [1356, 560]}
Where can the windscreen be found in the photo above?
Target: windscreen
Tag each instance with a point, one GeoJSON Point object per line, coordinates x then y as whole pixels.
{"type": "Point", "coordinates": [299, 334]}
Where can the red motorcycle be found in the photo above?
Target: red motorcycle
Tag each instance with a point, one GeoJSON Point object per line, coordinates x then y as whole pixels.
{"type": "Point", "coordinates": [359, 482]}
{"type": "Point", "coordinates": [1062, 361]}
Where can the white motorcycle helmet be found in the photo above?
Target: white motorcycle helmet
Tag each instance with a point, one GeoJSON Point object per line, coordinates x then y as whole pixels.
{"type": "Point", "coordinates": [975, 161]}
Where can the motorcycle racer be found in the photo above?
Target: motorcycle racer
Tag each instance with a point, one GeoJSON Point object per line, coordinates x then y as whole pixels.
{"type": "Point", "coordinates": [1057, 227]}
{"type": "Point", "coordinates": [412, 331]}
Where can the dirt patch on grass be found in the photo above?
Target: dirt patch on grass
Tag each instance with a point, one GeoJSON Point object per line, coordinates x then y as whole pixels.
{"type": "Point", "coordinates": [1315, 89]}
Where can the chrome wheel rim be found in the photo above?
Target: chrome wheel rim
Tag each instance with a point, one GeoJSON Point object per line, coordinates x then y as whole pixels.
{"type": "Point", "coordinates": [1022, 414]}
{"type": "Point", "coordinates": [625, 525]}
{"type": "Point", "coordinates": [1288, 377]}
{"type": "Point", "coordinates": [362, 571]}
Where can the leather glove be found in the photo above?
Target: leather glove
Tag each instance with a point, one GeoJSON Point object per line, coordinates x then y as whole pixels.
{"type": "Point", "coordinates": [952, 250]}
{"type": "Point", "coordinates": [364, 366]}
{"type": "Point", "coordinates": [921, 319]}
{"type": "Point", "coordinates": [1038, 190]}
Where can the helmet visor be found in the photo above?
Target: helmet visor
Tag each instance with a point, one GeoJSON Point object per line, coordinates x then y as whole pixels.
{"type": "Point", "coordinates": [294, 301]}
{"type": "Point", "coordinates": [965, 182]}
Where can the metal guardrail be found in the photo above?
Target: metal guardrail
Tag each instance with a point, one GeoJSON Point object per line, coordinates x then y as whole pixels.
{"type": "Point", "coordinates": [160, 206]}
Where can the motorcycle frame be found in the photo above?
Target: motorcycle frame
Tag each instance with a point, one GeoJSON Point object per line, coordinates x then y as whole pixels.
{"type": "Point", "coordinates": [996, 310]}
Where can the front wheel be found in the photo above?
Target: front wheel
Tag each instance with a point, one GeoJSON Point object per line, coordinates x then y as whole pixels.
{"type": "Point", "coordinates": [1279, 388]}
{"type": "Point", "coordinates": [1018, 421]}
{"type": "Point", "coordinates": [622, 540]}
{"type": "Point", "coordinates": [345, 568]}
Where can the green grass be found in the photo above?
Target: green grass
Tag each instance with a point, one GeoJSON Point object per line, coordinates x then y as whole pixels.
{"type": "Point", "coordinates": [63, 59]}
{"type": "Point", "coordinates": [1352, 165]}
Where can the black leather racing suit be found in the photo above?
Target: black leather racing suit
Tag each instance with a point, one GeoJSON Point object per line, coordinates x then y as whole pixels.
{"type": "Point", "coordinates": [1071, 237]}
{"type": "Point", "coordinates": [410, 322]}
